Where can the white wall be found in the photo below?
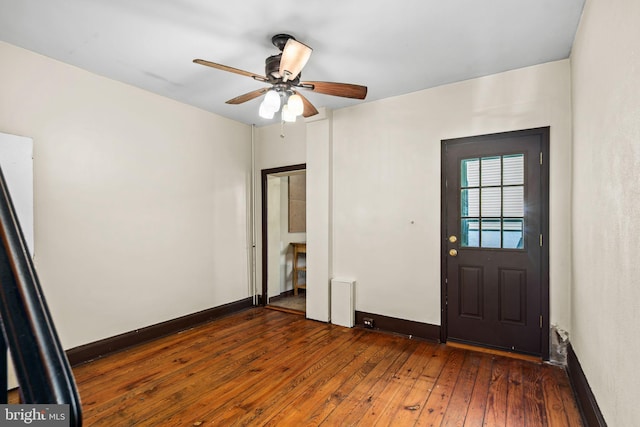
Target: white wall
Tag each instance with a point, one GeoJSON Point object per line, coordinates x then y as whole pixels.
{"type": "Point", "coordinates": [140, 201]}
{"type": "Point", "coordinates": [606, 205]}
{"type": "Point", "coordinates": [386, 183]}
{"type": "Point", "coordinates": [273, 151]}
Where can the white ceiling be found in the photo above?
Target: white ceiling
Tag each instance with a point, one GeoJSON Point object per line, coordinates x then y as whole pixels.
{"type": "Point", "coordinates": [392, 47]}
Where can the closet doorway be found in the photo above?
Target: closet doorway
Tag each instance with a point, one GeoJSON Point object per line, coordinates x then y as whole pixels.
{"type": "Point", "coordinates": [284, 238]}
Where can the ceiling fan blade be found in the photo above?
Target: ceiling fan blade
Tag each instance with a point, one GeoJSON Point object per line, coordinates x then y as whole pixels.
{"type": "Point", "coordinates": [247, 96]}
{"type": "Point", "coordinates": [309, 109]}
{"type": "Point", "coordinates": [230, 69]}
{"type": "Point", "coordinates": [294, 57]}
{"type": "Point", "coordinates": [344, 90]}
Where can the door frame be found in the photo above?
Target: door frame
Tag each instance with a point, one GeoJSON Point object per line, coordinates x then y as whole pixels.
{"type": "Point", "coordinates": [544, 226]}
{"type": "Point", "coordinates": [263, 190]}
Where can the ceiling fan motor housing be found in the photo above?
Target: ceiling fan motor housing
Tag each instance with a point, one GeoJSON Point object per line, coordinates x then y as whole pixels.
{"type": "Point", "coordinates": [279, 40]}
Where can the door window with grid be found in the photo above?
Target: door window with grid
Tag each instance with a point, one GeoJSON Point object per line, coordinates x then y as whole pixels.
{"type": "Point", "coordinates": [492, 202]}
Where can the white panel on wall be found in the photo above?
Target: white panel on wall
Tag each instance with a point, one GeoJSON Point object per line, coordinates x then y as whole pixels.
{"type": "Point", "coordinates": [343, 311]}
{"type": "Point", "coordinates": [16, 159]}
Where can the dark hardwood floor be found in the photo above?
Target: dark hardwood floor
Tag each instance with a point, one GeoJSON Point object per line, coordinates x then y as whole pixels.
{"type": "Point", "coordinates": [265, 367]}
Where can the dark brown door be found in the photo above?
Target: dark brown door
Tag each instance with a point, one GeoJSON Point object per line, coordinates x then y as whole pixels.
{"type": "Point", "coordinates": [495, 279]}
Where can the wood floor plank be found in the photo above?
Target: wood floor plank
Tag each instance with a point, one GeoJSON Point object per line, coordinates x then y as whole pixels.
{"type": "Point", "coordinates": [381, 406]}
{"type": "Point", "coordinates": [515, 395]}
{"type": "Point", "coordinates": [478, 401]}
{"type": "Point", "coordinates": [434, 410]}
{"type": "Point", "coordinates": [568, 399]}
{"type": "Point", "coordinates": [461, 397]}
{"type": "Point", "coordinates": [496, 409]}
{"type": "Point", "coordinates": [554, 406]}
{"type": "Point", "coordinates": [264, 367]}
{"type": "Point", "coordinates": [534, 405]}
{"type": "Point", "coordinates": [409, 404]}
{"type": "Point", "coordinates": [408, 381]}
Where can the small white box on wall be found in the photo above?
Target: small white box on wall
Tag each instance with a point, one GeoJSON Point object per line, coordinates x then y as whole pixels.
{"type": "Point", "coordinates": [343, 310]}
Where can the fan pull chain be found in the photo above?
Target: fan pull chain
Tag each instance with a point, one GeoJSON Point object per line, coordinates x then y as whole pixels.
{"type": "Point", "coordinates": [282, 129]}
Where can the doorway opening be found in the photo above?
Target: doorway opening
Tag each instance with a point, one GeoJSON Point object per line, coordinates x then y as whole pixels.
{"type": "Point", "coordinates": [284, 238]}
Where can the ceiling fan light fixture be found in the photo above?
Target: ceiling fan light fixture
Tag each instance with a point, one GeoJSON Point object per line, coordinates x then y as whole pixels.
{"type": "Point", "coordinates": [265, 112]}
{"type": "Point", "coordinates": [294, 57]}
{"type": "Point", "coordinates": [287, 115]}
{"type": "Point", "coordinates": [272, 100]}
{"type": "Point", "coordinates": [295, 105]}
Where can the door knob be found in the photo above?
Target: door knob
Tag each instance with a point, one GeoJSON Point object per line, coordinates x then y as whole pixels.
{"type": "Point", "coordinates": [453, 239]}
{"type": "Point", "coordinates": [453, 252]}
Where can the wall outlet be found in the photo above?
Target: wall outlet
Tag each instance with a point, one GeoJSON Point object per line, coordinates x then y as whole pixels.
{"type": "Point", "coordinates": [368, 322]}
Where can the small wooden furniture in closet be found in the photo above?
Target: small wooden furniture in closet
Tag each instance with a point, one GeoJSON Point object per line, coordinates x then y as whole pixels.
{"type": "Point", "coordinates": [299, 270]}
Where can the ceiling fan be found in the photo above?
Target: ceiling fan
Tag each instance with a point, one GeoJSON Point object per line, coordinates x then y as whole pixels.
{"type": "Point", "coordinates": [282, 72]}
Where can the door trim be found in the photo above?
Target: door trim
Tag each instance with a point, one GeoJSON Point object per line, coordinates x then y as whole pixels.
{"type": "Point", "coordinates": [263, 191]}
{"type": "Point", "coordinates": [544, 226]}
